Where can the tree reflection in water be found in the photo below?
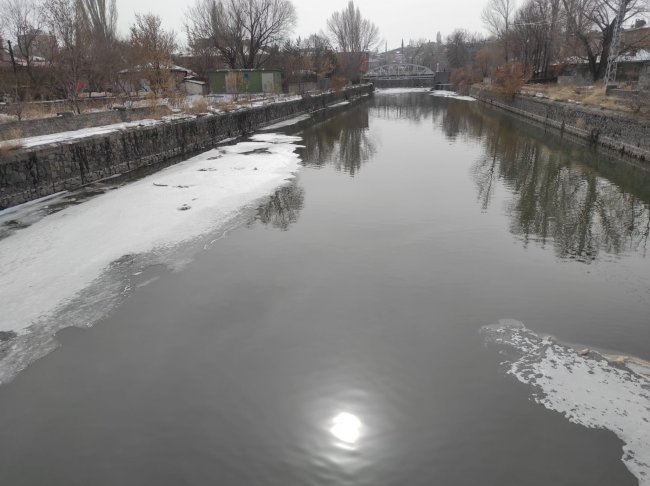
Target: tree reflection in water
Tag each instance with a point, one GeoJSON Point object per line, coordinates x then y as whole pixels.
{"type": "Point", "coordinates": [344, 142]}
{"type": "Point", "coordinates": [563, 193]}
{"type": "Point", "coordinates": [282, 208]}
{"type": "Point", "coordinates": [405, 106]}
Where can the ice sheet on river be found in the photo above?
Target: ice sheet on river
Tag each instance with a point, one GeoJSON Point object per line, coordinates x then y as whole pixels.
{"type": "Point", "coordinates": [586, 387]}
{"type": "Point", "coordinates": [47, 269]}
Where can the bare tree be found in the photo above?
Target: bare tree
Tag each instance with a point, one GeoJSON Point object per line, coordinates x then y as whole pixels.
{"type": "Point", "coordinates": [353, 35]}
{"type": "Point", "coordinates": [100, 17]}
{"type": "Point", "coordinates": [214, 29]}
{"type": "Point", "coordinates": [320, 55]}
{"type": "Point", "coordinates": [462, 47]}
{"type": "Point", "coordinates": [23, 21]}
{"type": "Point", "coordinates": [151, 48]}
{"type": "Point", "coordinates": [593, 22]}
{"type": "Point", "coordinates": [100, 20]}
{"type": "Point", "coordinates": [497, 16]}
{"type": "Point", "coordinates": [70, 63]}
{"type": "Point", "coordinates": [243, 32]}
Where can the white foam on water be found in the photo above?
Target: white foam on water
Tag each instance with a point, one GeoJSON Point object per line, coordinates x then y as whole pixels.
{"type": "Point", "coordinates": [588, 390]}
{"type": "Point", "coordinates": [48, 269]}
{"type": "Point", "coordinates": [386, 91]}
{"type": "Point", "coordinates": [451, 94]}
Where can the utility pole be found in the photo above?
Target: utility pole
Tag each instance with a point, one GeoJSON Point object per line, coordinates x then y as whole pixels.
{"type": "Point", "coordinates": [612, 61]}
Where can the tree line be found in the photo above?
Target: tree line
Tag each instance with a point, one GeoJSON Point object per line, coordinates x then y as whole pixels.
{"type": "Point", "coordinates": [59, 48]}
{"type": "Point", "coordinates": [539, 36]}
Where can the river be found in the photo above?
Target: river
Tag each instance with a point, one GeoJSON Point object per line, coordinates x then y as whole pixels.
{"type": "Point", "coordinates": [421, 291]}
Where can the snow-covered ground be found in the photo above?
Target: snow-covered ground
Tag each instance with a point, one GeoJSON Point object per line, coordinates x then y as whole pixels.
{"type": "Point", "coordinates": [212, 104]}
{"type": "Point", "coordinates": [585, 387]}
{"type": "Point", "coordinates": [83, 133]}
{"type": "Point", "coordinates": [46, 267]}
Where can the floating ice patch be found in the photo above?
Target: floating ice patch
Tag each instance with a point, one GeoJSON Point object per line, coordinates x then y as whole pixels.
{"type": "Point", "coordinates": [451, 94]}
{"type": "Point", "coordinates": [387, 91]}
{"type": "Point", "coordinates": [585, 387]}
{"type": "Point", "coordinates": [68, 268]}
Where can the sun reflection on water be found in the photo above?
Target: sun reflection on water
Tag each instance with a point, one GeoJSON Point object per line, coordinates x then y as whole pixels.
{"type": "Point", "coordinates": [346, 427]}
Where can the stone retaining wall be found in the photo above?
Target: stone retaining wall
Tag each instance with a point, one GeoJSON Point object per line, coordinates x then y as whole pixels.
{"type": "Point", "coordinates": [625, 134]}
{"type": "Point", "coordinates": [27, 174]}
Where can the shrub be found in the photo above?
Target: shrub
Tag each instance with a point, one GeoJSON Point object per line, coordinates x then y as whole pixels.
{"type": "Point", "coordinates": [463, 78]}
{"type": "Point", "coordinates": [509, 79]}
{"type": "Point", "coordinates": [11, 145]}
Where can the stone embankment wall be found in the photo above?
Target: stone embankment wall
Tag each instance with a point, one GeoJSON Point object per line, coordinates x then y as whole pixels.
{"type": "Point", "coordinates": [27, 174]}
{"type": "Point", "coordinates": [626, 134]}
{"type": "Point", "coordinates": [46, 126]}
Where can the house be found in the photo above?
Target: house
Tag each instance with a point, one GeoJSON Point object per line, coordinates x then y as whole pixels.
{"type": "Point", "coordinates": [147, 77]}
{"type": "Point", "coordinates": [637, 37]}
{"type": "Point", "coordinates": [633, 62]}
{"type": "Point", "coordinates": [234, 81]}
{"type": "Point", "coordinates": [300, 81]}
{"type": "Point", "coordinates": [36, 45]}
{"type": "Point", "coordinates": [353, 64]}
{"type": "Point", "coordinates": [5, 57]}
{"type": "Point", "coordinates": [193, 86]}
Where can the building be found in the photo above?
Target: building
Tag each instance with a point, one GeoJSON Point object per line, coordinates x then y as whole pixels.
{"type": "Point", "coordinates": [147, 77]}
{"type": "Point", "coordinates": [5, 57]}
{"type": "Point", "coordinates": [37, 45]}
{"type": "Point", "coordinates": [233, 81]}
{"type": "Point", "coordinates": [195, 86]}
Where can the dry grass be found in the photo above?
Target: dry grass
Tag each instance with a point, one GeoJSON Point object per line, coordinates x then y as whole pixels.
{"type": "Point", "coordinates": [39, 110]}
{"type": "Point", "coordinates": [200, 105]}
{"type": "Point", "coordinates": [591, 96]}
{"type": "Point", "coordinates": [227, 106]}
{"type": "Point", "coordinates": [10, 146]}
{"type": "Point", "coordinates": [12, 134]}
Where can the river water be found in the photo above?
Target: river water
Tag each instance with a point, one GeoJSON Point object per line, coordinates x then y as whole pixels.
{"type": "Point", "coordinates": [381, 319]}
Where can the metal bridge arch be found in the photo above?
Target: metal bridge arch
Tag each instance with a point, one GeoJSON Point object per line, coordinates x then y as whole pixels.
{"type": "Point", "coordinates": [398, 71]}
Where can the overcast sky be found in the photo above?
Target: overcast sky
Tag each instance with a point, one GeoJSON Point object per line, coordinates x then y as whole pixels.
{"type": "Point", "coordinates": [407, 19]}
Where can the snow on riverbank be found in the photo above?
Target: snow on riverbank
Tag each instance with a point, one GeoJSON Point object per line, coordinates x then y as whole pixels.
{"type": "Point", "coordinates": [44, 266]}
{"type": "Point", "coordinates": [288, 123]}
{"type": "Point", "coordinates": [83, 133]}
{"type": "Point", "coordinates": [585, 387]}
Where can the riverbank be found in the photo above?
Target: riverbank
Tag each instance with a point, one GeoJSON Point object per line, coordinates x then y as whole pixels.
{"type": "Point", "coordinates": [627, 135]}
{"type": "Point", "coordinates": [31, 172]}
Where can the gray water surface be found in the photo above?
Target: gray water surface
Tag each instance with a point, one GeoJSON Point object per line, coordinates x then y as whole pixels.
{"type": "Point", "coordinates": [335, 338]}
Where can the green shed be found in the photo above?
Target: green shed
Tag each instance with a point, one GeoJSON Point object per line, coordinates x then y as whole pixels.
{"type": "Point", "coordinates": [245, 81]}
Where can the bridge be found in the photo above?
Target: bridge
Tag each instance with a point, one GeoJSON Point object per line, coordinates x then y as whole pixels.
{"type": "Point", "coordinates": [406, 75]}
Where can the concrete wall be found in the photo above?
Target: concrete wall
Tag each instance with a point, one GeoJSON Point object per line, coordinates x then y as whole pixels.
{"type": "Point", "coordinates": [626, 134]}
{"type": "Point", "coordinates": [28, 174]}
{"type": "Point", "coordinates": [46, 126]}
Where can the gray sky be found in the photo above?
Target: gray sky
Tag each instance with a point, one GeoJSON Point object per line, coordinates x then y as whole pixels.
{"type": "Point", "coordinates": [407, 19]}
